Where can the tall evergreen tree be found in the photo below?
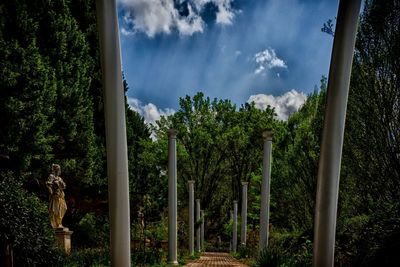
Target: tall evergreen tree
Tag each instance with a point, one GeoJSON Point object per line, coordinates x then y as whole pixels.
{"type": "Point", "coordinates": [27, 93]}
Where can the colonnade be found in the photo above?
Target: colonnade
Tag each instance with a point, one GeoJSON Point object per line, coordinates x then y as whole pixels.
{"type": "Point", "coordinates": [265, 200]}
{"type": "Point", "coordinates": [331, 147]}
{"type": "Point", "coordinates": [195, 206]}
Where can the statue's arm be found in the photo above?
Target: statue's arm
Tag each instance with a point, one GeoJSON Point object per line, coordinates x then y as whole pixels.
{"type": "Point", "coordinates": [49, 184]}
{"type": "Point", "coordinates": [63, 185]}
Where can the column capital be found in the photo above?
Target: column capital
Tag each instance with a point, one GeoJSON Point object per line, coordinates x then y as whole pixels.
{"type": "Point", "coordinates": [245, 183]}
{"type": "Point", "coordinates": [172, 133]}
{"type": "Point", "coordinates": [267, 134]}
{"type": "Point", "coordinates": [235, 202]}
{"type": "Point", "coordinates": [197, 199]}
{"type": "Point", "coordinates": [190, 182]}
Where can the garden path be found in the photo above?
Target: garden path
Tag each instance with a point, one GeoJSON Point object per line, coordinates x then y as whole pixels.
{"type": "Point", "coordinates": [215, 259]}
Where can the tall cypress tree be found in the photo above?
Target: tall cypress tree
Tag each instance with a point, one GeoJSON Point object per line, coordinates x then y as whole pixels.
{"type": "Point", "coordinates": [27, 93]}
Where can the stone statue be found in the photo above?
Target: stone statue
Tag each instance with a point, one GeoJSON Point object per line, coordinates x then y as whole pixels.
{"type": "Point", "coordinates": [57, 205]}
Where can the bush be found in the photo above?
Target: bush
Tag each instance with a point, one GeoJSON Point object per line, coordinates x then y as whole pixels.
{"type": "Point", "coordinates": [286, 249]}
{"type": "Point", "coordinates": [25, 224]}
{"type": "Point", "coordinates": [270, 258]}
{"type": "Point", "coordinates": [159, 231]}
{"type": "Point", "coordinates": [267, 258]}
{"type": "Point", "coordinates": [91, 231]}
{"type": "Point", "coordinates": [184, 257]}
{"type": "Point", "coordinates": [148, 257]}
{"type": "Point", "coordinates": [89, 257]}
{"type": "Point", "coordinates": [244, 252]}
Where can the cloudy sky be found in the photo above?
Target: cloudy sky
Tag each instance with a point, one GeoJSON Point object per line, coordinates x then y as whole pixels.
{"type": "Point", "coordinates": [271, 52]}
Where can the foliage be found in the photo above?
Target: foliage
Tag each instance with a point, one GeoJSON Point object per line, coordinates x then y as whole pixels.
{"type": "Point", "coordinates": [49, 101]}
{"type": "Point", "coordinates": [244, 251]}
{"type": "Point", "coordinates": [267, 258]}
{"type": "Point", "coordinates": [89, 257]}
{"type": "Point", "coordinates": [159, 230]}
{"type": "Point", "coordinates": [149, 256]}
{"type": "Point", "coordinates": [328, 28]}
{"type": "Point", "coordinates": [25, 225]}
{"type": "Point", "coordinates": [92, 231]}
{"type": "Point", "coordinates": [370, 178]}
{"type": "Point", "coordinates": [217, 146]}
{"type": "Point", "coordinates": [286, 249]}
{"type": "Point", "coordinates": [52, 111]}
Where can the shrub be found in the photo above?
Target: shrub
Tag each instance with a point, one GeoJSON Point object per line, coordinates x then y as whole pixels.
{"type": "Point", "coordinates": [89, 257]}
{"type": "Point", "coordinates": [24, 223]}
{"type": "Point", "coordinates": [267, 258]}
{"type": "Point", "coordinates": [245, 251]}
{"type": "Point", "coordinates": [146, 257]}
{"type": "Point", "coordinates": [286, 249]}
{"type": "Point", "coordinates": [91, 231]}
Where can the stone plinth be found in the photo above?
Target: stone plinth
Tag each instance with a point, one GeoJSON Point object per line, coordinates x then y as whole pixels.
{"type": "Point", "coordinates": [63, 235]}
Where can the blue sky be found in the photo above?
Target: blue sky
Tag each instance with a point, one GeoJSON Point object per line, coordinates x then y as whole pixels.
{"type": "Point", "coordinates": [268, 51]}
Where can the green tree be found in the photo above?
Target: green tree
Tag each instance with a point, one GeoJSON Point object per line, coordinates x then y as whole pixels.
{"type": "Point", "coordinates": [369, 209]}
{"type": "Point", "coordinates": [27, 93]}
{"type": "Point", "coordinates": [47, 96]}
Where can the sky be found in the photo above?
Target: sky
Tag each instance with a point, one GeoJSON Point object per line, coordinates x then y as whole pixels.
{"type": "Point", "coordinates": [271, 52]}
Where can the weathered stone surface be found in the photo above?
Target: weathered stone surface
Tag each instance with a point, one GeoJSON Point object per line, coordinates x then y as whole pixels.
{"type": "Point", "coordinates": [63, 235]}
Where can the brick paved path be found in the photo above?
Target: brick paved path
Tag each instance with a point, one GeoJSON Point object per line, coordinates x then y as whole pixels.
{"type": "Point", "coordinates": [215, 259]}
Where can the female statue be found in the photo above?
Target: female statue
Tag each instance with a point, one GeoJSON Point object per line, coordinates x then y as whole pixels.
{"type": "Point", "coordinates": [57, 206]}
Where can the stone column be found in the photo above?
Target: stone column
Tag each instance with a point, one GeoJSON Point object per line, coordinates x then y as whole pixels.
{"type": "Point", "coordinates": [191, 217]}
{"type": "Point", "coordinates": [116, 143]}
{"type": "Point", "coordinates": [231, 241]}
{"type": "Point", "coordinates": [198, 247]}
{"type": "Point", "coordinates": [244, 214]}
{"type": "Point", "coordinates": [333, 132]}
{"type": "Point", "coordinates": [202, 229]}
{"type": "Point", "coordinates": [265, 189]}
{"type": "Point", "coordinates": [172, 199]}
{"type": "Point", "coordinates": [235, 214]}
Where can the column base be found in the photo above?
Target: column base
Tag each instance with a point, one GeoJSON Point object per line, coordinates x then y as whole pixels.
{"type": "Point", "coordinates": [63, 235]}
{"type": "Point", "coordinates": [173, 263]}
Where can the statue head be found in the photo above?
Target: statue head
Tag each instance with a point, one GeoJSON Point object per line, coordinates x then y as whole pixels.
{"type": "Point", "coordinates": [56, 169]}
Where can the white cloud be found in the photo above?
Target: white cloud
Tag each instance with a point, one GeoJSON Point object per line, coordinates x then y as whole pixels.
{"type": "Point", "coordinates": [225, 13]}
{"type": "Point", "coordinates": [150, 112]}
{"type": "Point", "coordinates": [267, 59]}
{"type": "Point", "coordinates": [161, 16]}
{"type": "Point", "coordinates": [284, 105]}
{"type": "Point", "coordinates": [190, 24]}
{"type": "Point", "coordinates": [126, 32]}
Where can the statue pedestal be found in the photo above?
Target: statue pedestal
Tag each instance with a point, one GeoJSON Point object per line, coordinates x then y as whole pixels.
{"type": "Point", "coordinates": [63, 235]}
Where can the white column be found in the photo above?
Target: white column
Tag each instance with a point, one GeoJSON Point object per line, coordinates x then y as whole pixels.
{"type": "Point", "coordinates": [235, 214]}
{"type": "Point", "coordinates": [265, 190]}
{"type": "Point", "coordinates": [198, 247]}
{"type": "Point", "coordinates": [191, 217]}
{"type": "Point", "coordinates": [116, 143]}
{"type": "Point", "coordinates": [244, 214]}
{"type": "Point", "coordinates": [231, 241]}
{"type": "Point", "coordinates": [202, 229]}
{"type": "Point", "coordinates": [172, 199]}
{"type": "Point", "coordinates": [332, 137]}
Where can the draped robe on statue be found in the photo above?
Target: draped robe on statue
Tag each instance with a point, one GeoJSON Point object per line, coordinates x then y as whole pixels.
{"type": "Point", "coordinates": [57, 206]}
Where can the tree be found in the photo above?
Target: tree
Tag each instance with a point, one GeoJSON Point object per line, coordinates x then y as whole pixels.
{"type": "Point", "coordinates": [27, 93]}
{"type": "Point", "coordinates": [47, 65]}
{"type": "Point", "coordinates": [370, 209]}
